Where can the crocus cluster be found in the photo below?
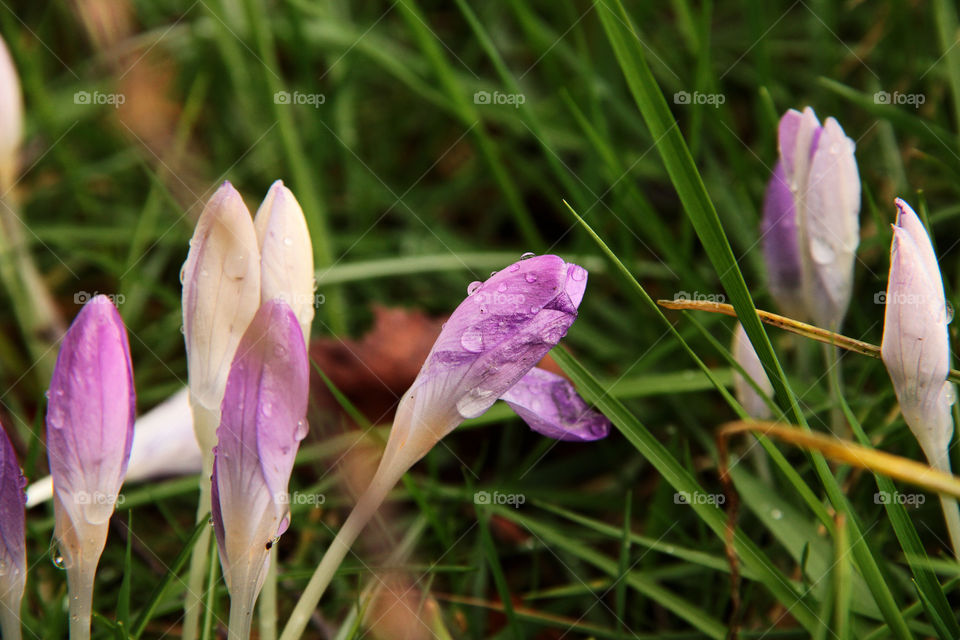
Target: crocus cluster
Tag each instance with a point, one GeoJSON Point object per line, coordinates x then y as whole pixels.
{"type": "Point", "coordinates": [13, 548]}
{"type": "Point", "coordinates": [810, 228]}
{"type": "Point", "coordinates": [486, 351]}
{"type": "Point", "coordinates": [90, 415]}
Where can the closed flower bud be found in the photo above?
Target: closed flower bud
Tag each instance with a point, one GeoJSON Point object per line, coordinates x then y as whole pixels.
{"type": "Point", "coordinates": [11, 118]}
{"type": "Point", "coordinates": [746, 357]}
{"type": "Point", "coordinates": [286, 254]}
{"type": "Point", "coordinates": [13, 549]}
{"type": "Point", "coordinates": [263, 420]}
{"type": "Point", "coordinates": [90, 415]}
{"type": "Point", "coordinates": [916, 347]}
{"type": "Point", "coordinates": [810, 225]}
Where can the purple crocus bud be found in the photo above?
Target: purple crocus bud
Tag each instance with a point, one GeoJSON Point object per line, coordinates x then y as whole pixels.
{"type": "Point", "coordinates": [262, 423]}
{"type": "Point", "coordinates": [550, 405]}
{"type": "Point", "coordinates": [810, 225]}
{"type": "Point", "coordinates": [90, 415]}
{"type": "Point", "coordinates": [747, 358]}
{"type": "Point", "coordinates": [492, 340]}
{"type": "Point", "coordinates": [13, 549]}
{"type": "Point", "coordinates": [916, 347]}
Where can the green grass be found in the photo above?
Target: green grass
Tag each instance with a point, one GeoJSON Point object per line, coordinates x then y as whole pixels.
{"type": "Point", "coordinates": [412, 189]}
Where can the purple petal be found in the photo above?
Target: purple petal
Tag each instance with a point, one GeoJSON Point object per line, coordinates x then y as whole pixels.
{"type": "Point", "coordinates": [797, 138]}
{"type": "Point", "coordinates": [13, 550]}
{"type": "Point", "coordinates": [90, 413]}
{"type": "Point", "coordinates": [747, 358]}
{"type": "Point", "coordinates": [551, 406]}
{"type": "Point", "coordinates": [780, 244]}
{"type": "Point", "coordinates": [262, 424]}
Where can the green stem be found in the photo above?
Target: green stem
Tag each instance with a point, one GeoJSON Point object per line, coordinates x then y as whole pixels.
{"type": "Point", "coordinates": [364, 510]}
{"type": "Point", "coordinates": [951, 511]}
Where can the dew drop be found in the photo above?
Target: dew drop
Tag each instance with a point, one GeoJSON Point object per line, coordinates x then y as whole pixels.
{"type": "Point", "coordinates": [288, 241]}
{"type": "Point", "coordinates": [776, 514]}
{"type": "Point", "coordinates": [266, 409]}
{"type": "Point", "coordinates": [949, 313]}
{"type": "Point", "coordinates": [475, 402]}
{"type": "Point", "coordinates": [279, 350]}
{"type": "Point", "coordinates": [183, 330]}
{"type": "Point", "coordinates": [59, 561]}
{"type": "Point", "coordinates": [502, 287]}
{"type": "Point", "coordinates": [210, 521]}
{"type": "Point", "coordinates": [183, 272]}
{"type": "Point", "coordinates": [46, 394]}
{"type": "Point", "coordinates": [528, 255]}
{"type": "Point", "coordinates": [302, 428]}
{"type": "Point", "coordinates": [530, 277]}
{"type": "Point", "coordinates": [534, 309]}
{"type": "Point", "coordinates": [472, 339]}
{"type": "Point", "coordinates": [578, 273]}
{"type": "Point", "coordinates": [493, 273]}
{"type": "Point", "coordinates": [821, 251]}
{"type": "Point", "coordinates": [473, 287]}
{"type": "Point", "coordinates": [514, 267]}
{"type": "Point", "coordinates": [55, 418]}
{"type": "Point", "coordinates": [204, 273]}
{"type": "Point", "coordinates": [949, 394]}
{"type": "Point", "coordinates": [835, 148]}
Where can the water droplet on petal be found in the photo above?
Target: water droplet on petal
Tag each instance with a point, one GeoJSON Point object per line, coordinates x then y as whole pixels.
{"type": "Point", "coordinates": [821, 251]}
{"type": "Point", "coordinates": [279, 350]}
{"type": "Point", "coordinates": [835, 148]}
{"type": "Point", "coordinates": [302, 428]}
{"type": "Point", "coordinates": [949, 394]}
{"type": "Point", "coordinates": [493, 273]}
{"type": "Point", "coordinates": [949, 313]}
{"type": "Point", "coordinates": [473, 287]}
{"type": "Point", "coordinates": [776, 514]}
{"type": "Point", "coordinates": [183, 330]}
{"type": "Point", "coordinates": [514, 267]}
{"type": "Point", "coordinates": [288, 241]}
{"type": "Point", "coordinates": [530, 277]}
{"type": "Point", "coordinates": [235, 266]}
{"type": "Point", "coordinates": [528, 255]}
{"type": "Point", "coordinates": [46, 394]}
{"type": "Point", "coordinates": [534, 309]}
{"type": "Point", "coordinates": [183, 272]}
{"type": "Point", "coordinates": [502, 287]}
{"type": "Point", "coordinates": [475, 403]}
{"type": "Point", "coordinates": [266, 409]}
{"type": "Point", "coordinates": [59, 561]}
{"type": "Point", "coordinates": [578, 273]}
{"type": "Point", "coordinates": [472, 339]}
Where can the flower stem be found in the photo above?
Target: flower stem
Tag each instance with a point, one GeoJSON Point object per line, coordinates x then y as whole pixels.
{"type": "Point", "coordinates": [365, 508]}
{"type": "Point", "coordinates": [268, 601]}
{"type": "Point", "coordinates": [205, 425]}
{"type": "Point", "coordinates": [951, 510]}
{"type": "Point", "coordinates": [10, 625]}
{"type": "Point", "coordinates": [81, 571]}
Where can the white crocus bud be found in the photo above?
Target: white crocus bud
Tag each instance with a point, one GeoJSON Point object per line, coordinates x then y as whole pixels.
{"type": "Point", "coordinates": [286, 254]}
{"type": "Point", "coordinates": [746, 357]}
{"type": "Point", "coordinates": [221, 294]}
{"type": "Point", "coordinates": [11, 118]}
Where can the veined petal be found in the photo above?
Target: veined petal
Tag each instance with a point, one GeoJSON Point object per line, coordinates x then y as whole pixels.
{"type": "Point", "coordinates": [90, 413]}
{"type": "Point", "coordinates": [908, 220]}
{"type": "Point", "coordinates": [797, 138]}
{"type": "Point", "coordinates": [286, 254]}
{"type": "Point", "coordinates": [221, 292]}
{"type": "Point", "coordinates": [504, 327]}
{"type": "Point", "coordinates": [915, 347]}
{"type": "Point", "coordinates": [831, 228]}
{"type": "Point", "coordinates": [13, 549]}
{"type": "Point", "coordinates": [551, 406]}
{"type": "Point", "coordinates": [745, 355]}
{"type": "Point", "coordinates": [262, 423]}
{"type": "Point", "coordinates": [781, 249]}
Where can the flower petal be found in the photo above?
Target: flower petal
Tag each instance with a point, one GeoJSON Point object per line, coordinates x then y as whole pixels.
{"type": "Point", "coordinates": [551, 406]}
{"type": "Point", "coordinates": [90, 413]}
{"type": "Point", "coordinates": [13, 549]}
{"type": "Point", "coordinates": [745, 355]}
{"type": "Point", "coordinates": [781, 247]}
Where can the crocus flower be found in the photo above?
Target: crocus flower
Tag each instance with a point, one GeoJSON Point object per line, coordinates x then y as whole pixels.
{"type": "Point", "coordinates": [11, 118]}
{"type": "Point", "coordinates": [90, 416]}
{"type": "Point", "coordinates": [746, 357]}
{"type": "Point", "coordinates": [262, 423]}
{"type": "Point", "coordinates": [489, 345]}
{"type": "Point", "coordinates": [810, 227]}
{"type": "Point", "coordinates": [13, 549]}
{"type": "Point", "coordinates": [286, 254]}
{"type": "Point", "coordinates": [916, 347]}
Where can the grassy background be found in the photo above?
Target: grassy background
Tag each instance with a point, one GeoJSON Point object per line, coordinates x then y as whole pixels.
{"type": "Point", "coordinates": [399, 164]}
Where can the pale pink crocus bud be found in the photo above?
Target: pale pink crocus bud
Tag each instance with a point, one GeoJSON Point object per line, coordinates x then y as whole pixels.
{"type": "Point", "coordinates": [916, 345]}
{"type": "Point", "coordinates": [11, 118]}
{"type": "Point", "coordinates": [90, 415]}
{"type": "Point", "coordinates": [746, 357]}
{"type": "Point", "coordinates": [810, 225]}
{"type": "Point", "coordinates": [221, 293]}
{"type": "Point", "coordinates": [286, 254]}
{"type": "Point", "coordinates": [13, 548]}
